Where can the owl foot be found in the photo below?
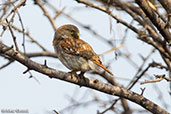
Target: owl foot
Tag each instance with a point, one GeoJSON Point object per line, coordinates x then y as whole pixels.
{"type": "Point", "coordinates": [73, 74]}
{"type": "Point", "coordinates": [81, 75]}
{"type": "Point", "coordinates": [81, 78]}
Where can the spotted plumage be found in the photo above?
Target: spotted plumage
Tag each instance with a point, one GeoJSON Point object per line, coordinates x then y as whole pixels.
{"type": "Point", "coordinates": [74, 53]}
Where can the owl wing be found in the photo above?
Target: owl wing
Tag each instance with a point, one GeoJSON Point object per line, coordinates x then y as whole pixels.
{"type": "Point", "coordinates": [77, 47]}
{"type": "Point", "coordinates": [81, 48]}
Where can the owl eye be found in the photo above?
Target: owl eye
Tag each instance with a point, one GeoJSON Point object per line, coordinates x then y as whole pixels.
{"type": "Point", "coordinates": [72, 32]}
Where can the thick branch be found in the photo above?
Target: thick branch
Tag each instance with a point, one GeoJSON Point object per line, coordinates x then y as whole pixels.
{"type": "Point", "coordinates": [155, 20]}
{"type": "Point", "coordinates": [90, 83]}
{"type": "Point", "coordinates": [166, 5]}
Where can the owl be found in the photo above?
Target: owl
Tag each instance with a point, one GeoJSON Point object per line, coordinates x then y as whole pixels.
{"type": "Point", "coordinates": [74, 53]}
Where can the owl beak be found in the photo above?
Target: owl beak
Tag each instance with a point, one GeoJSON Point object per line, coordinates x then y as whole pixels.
{"type": "Point", "coordinates": [78, 35]}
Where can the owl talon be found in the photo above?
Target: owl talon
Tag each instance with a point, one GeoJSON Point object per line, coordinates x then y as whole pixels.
{"type": "Point", "coordinates": [73, 74]}
{"type": "Point", "coordinates": [81, 76]}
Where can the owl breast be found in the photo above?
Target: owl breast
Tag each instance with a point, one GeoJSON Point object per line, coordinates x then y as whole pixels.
{"type": "Point", "coordinates": [73, 62]}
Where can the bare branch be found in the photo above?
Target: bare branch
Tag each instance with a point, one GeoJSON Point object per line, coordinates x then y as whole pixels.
{"type": "Point", "coordinates": [21, 3]}
{"type": "Point", "coordinates": [41, 5]}
{"type": "Point", "coordinates": [90, 83]}
{"type": "Point", "coordinates": [155, 20]}
{"type": "Point", "coordinates": [110, 13]}
{"type": "Point", "coordinates": [159, 78]}
{"type": "Point", "coordinates": [13, 36]}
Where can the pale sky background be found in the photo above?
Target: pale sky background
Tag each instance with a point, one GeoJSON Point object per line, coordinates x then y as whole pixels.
{"type": "Point", "coordinates": [17, 91]}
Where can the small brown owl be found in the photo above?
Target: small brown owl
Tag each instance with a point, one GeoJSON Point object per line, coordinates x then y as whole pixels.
{"type": "Point", "coordinates": [74, 53]}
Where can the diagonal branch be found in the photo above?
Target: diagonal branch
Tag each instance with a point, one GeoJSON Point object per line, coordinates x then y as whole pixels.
{"type": "Point", "coordinates": [90, 83]}
{"type": "Point", "coordinates": [111, 14]}
{"type": "Point", "coordinates": [155, 20]}
{"type": "Point", "coordinates": [42, 7]}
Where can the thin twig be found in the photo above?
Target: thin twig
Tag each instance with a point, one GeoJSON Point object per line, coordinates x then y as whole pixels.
{"type": "Point", "coordinates": [22, 3]}
{"type": "Point", "coordinates": [110, 13]}
{"type": "Point", "coordinates": [113, 49]}
{"type": "Point", "coordinates": [41, 5]}
{"type": "Point", "coordinates": [159, 78]}
{"type": "Point", "coordinates": [13, 36]}
{"type": "Point", "coordinates": [29, 36]}
{"type": "Point", "coordinates": [7, 64]}
{"type": "Point", "coordinates": [132, 83]}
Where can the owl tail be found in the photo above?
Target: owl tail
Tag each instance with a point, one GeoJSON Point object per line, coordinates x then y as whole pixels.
{"type": "Point", "coordinates": [99, 64]}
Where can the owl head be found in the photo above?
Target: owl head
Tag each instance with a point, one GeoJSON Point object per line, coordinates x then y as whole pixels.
{"type": "Point", "coordinates": [67, 31]}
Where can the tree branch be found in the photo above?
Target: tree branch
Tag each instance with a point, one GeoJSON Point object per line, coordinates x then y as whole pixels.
{"type": "Point", "coordinates": [90, 83]}
{"type": "Point", "coordinates": [51, 20]}
{"type": "Point", "coordinates": [155, 20]}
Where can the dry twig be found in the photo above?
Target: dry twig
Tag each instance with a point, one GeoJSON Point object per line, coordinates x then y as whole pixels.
{"type": "Point", "coordinates": [158, 79]}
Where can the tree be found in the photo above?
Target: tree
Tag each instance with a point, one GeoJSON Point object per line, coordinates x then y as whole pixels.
{"type": "Point", "coordinates": [143, 26]}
